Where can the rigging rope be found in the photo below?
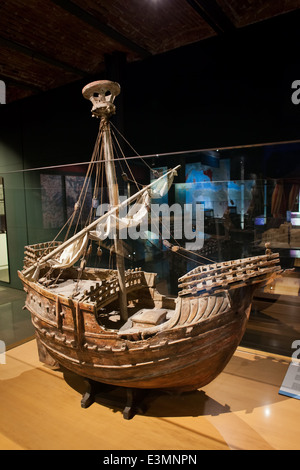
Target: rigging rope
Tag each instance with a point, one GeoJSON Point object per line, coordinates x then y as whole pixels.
{"type": "Point", "coordinates": [98, 160]}
{"type": "Point", "coordinates": [125, 140]}
{"type": "Point", "coordinates": [137, 185]}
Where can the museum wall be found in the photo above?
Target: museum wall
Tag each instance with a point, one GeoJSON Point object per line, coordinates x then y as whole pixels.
{"type": "Point", "coordinates": [225, 91]}
{"type": "Point", "coordinates": [11, 160]}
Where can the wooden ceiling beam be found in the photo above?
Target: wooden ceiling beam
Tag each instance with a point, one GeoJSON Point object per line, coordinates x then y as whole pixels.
{"type": "Point", "coordinates": [210, 11]}
{"type": "Point", "coordinates": [91, 20]}
{"type": "Point", "coordinates": [7, 43]}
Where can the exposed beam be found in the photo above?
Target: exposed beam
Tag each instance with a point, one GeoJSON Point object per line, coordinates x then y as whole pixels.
{"type": "Point", "coordinates": [83, 15]}
{"type": "Point", "coordinates": [7, 43]}
{"type": "Point", "coordinates": [210, 11]}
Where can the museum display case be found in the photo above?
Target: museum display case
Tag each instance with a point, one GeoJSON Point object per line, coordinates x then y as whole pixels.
{"type": "Point", "coordinates": [224, 204]}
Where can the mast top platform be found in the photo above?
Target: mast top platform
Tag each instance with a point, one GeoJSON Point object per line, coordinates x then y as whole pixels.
{"type": "Point", "coordinates": [102, 94]}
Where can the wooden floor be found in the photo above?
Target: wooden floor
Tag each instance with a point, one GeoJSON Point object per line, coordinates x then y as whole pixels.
{"type": "Point", "coordinates": [241, 409]}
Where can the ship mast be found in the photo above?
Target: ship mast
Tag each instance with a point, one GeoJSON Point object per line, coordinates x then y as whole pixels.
{"type": "Point", "coordinates": [102, 94]}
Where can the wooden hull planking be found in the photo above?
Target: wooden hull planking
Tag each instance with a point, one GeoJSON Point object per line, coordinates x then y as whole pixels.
{"type": "Point", "coordinates": [198, 335]}
{"type": "Point", "coordinates": [188, 355]}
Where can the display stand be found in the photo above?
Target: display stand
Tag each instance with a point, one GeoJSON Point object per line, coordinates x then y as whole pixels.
{"type": "Point", "coordinates": [131, 405]}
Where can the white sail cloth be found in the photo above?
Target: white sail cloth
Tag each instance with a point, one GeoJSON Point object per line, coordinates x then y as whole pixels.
{"type": "Point", "coordinates": [137, 213]}
{"type": "Point", "coordinates": [71, 253]}
{"type": "Point", "coordinates": [135, 216]}
{"type": "Point", "coordinates": [161, 187]}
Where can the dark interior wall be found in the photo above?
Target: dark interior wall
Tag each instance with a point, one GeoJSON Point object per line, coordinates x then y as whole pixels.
{"type": "Point", "coordinates": [11, 161]}
{"type": "Point", "coordinates": [225, 91]}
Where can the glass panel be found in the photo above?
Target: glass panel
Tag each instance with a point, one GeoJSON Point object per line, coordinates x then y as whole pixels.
{"type": "Point", "coordinates": [4, 265]}
{"type": "Point", "coordinates": [247, 197]}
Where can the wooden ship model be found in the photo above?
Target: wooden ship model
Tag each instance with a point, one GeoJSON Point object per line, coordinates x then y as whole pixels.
{"type": "Point", "coordinates": [158, 342]}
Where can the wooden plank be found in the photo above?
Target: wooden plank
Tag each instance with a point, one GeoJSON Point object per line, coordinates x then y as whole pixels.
{"type": "Point", "coordinates": [228, 266]}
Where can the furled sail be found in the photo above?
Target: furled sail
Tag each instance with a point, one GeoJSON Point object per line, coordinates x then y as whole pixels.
{"type": "Point", "coordinates": [70, 254]}
{"type": "Point", "coordinates": [138, 212]}
{"type": "Point", "coordinates": [135, 216]}
{"type": "Point", "coordinates": [69, 257]}
{"type": "Point", "coordinates": [160, 187]}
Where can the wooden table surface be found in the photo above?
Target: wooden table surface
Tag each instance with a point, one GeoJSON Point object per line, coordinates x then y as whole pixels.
{"type": "Point", "coordinates": [240, 409]}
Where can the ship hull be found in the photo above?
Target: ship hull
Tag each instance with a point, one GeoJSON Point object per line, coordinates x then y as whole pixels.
{"type": "Point", "coordinates": [184, 357]}
{"type": "Point", "coordinates": [183, 364]}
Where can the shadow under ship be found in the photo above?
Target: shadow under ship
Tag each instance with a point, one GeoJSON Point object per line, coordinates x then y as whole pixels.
{"type": "Point", "coordinates": [157, 342]}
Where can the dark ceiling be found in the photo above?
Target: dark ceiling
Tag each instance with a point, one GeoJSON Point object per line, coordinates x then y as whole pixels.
{"type": "Point", "coordinates": [45, 44]}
